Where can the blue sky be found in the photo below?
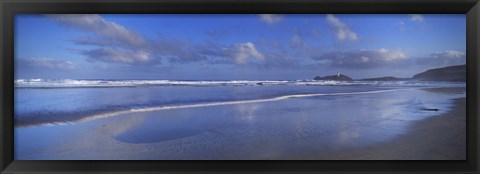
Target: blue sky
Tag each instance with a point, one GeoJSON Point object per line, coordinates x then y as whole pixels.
{"type": "Point", "coordinates": [213, 47]}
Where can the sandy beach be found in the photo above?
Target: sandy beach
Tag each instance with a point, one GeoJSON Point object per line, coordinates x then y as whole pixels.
{"type": "Point", "coordinates": [415, 124]}
{"type": "Point", "coordinates": [442, 137]}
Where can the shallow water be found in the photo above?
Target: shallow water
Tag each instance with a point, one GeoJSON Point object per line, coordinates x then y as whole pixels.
{"type": "Point", "coordinates": [40, 105]}
{"type": "Point", "coordinates": [258, 130]}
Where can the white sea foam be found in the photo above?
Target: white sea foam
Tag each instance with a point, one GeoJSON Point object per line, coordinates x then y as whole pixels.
{"type": "Point", "coordinates": [69, 83]}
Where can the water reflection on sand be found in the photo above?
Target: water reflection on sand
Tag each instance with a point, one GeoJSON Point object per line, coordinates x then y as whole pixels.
{"type": "Point", "coordinates": [268, 130]}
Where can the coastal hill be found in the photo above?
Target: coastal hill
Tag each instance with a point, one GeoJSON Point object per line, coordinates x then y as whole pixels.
{"type": "Point", "coordinates": [451, 73]}
{"type": "Point", "coordinates": [387, 78]}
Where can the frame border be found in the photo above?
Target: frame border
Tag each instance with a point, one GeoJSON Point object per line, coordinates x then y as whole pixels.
{"type": "Point", "coordinates": [8, 8]}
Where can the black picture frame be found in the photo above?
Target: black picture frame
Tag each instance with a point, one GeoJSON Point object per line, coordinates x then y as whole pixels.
{"type": "Point", "coordinates": [8, 8]}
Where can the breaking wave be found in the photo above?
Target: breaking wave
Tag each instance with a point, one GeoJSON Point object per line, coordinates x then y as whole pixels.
{"type": "Point", "coordinates": [69, 83]}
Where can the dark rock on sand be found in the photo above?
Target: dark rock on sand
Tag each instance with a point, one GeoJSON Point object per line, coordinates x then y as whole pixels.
{"type": "Point", "coordinates": [430, 109]}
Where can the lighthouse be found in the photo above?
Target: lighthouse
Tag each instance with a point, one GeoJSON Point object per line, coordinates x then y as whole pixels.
{"type": "Point", "coordinates": [338, 74]}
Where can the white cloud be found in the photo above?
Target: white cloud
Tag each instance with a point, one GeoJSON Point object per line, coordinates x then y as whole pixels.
{"type": "Point", "coordinates": [118, 56]}
{"type": "Point", "coordinates": [296, 39]}
{"type": "Point", "coordinates": [443, 58]}
{"type": "Point", "coordinates": [96, 24]}
{"type": "Point", "coordinates": [239, 53]}
{"type": "Point", "coordinates": [401, 25]}
{"type": "Point", "coordinates": [390, 55]}
{"type": "Point", "coordinates": [48, 63]}
{"type": "Point", "coordinates": [448, 54]}
{"type": "Point", "coordinates": [365, 59]}
{"type": "Point", "coordinates": [342, 31]}
{"type": "Point", "coordinates": [242, 51]}
{"type": "Point", "coordinates": [117, 43]}
{"type": "Point", "coordinates": [416, 17]}
{"type": "Point", "coordinates": [271, 18]}
{"type": "Point", "coordinates": [361, 59]}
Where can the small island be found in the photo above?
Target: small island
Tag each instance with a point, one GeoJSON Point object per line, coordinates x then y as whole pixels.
{"type": "Point", "coordinates": [338, 77]}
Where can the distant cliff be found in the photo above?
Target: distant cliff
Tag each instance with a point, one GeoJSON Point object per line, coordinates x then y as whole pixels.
{"type": "Point", "coordinates": [387, 78]}
{"type": "Point", "coordinates": [451, 73]}
{"type": "Point", "coordinates": [339, 77]}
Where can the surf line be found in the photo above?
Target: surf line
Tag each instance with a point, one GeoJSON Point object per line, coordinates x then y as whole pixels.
{"type": "Point", "coordinates": [159, 108]}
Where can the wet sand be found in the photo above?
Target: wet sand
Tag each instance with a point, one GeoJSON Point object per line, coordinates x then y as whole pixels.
{"type": "Point", "coordinates": [441, 137]}
{"type": "Point", "coordinates": [377, 126]}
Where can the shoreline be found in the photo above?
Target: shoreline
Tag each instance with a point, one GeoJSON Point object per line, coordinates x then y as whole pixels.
{"type": "Point", "coordinates": [441, 137]}
{"type": "Point", "coordinates": [88, 118]}
{"type": "Point", "coordinates": [287, 130]}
